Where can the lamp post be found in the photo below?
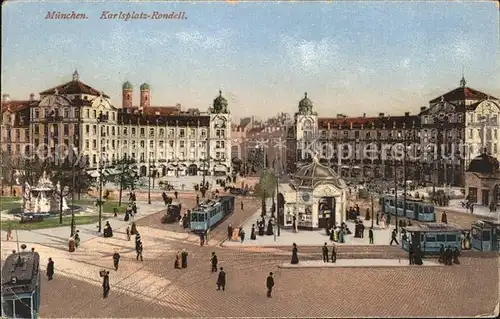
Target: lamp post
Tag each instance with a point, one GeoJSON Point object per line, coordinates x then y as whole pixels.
{"type": "Point", "coordinates": [396, 192]}
{"type": "Point", "coordinates": [73, 164]}
{"type": "Point", "coordinates": [152, 172]}
{"type": "Point", "coordinates": [102, 118]}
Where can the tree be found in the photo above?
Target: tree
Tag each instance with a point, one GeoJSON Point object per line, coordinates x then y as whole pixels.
{"type": "Point", "coordinates": [126, 177]}
{"type": "Point", "coordinates": [266, 187]}
{"type": "Point", "coordinates": [62, 174]}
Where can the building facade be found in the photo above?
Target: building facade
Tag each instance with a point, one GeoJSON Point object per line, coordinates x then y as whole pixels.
{"type": "Point", "coordinates": [75, 115]}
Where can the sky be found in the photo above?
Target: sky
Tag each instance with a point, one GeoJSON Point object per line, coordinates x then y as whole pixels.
{"type": "Point", "coordinates": [351, 57]}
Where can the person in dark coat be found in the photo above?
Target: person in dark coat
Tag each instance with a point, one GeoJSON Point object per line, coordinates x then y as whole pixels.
{"type": "Point", "coordinates": [325, 253]}
{"type": "Point", "coordinates": [50, 269]}
{"type": "Point", "coordinates": [394, 238]}
{"type": "Point", "coordinates": [449, 256]}
{"type": "Point", "coordinates": [295, 257]}
{"type": "Point", "coordinates": [241, 205]}
{"type": "Point", "coordinates": [184, 259]}
{"type": "Point", "coordinates": [269, 231]}
{"type": "Point", "coordinates": [442, 255]}
{"type": "Point", "coordinates": [229, 232]}
{"type": "Point", "coordinates": [456, 254]}
{"type": "Point", "coordinates": [176, 194]}
{"type": "Point", "coordinates": [417, 256]}
{"type": "Point", "coordinates": [105, 285]}
{"type": "Point", "coordinates": [221, 279]}
{"type": "Point", "coordinates": [214, 262]}
{"type": "Point", "coordinates": [334, 253]}
{"type": "Point", "coordinates": [261, 228]}
{"type": "Point", "coordinates": [370, 235]}
{"type": "Point", "coordinates": [177, 263]}
{"type": "Point", "coordinates": [116, 260]}
{"type": "Point", "coordinates": [444, 218]}
{"type": "Point", "coordinates": [253, 236]}
{"type": "Point", "coordinates": [242, 234]}
{"type": "Point", "coordinates": [269, 284]}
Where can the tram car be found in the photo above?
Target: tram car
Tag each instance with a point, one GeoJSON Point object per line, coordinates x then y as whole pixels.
{"type": "Point", "coordinates": [21, 285]}
{"type": "Point", "coordinates": [209, 213]}
{"type": "Point", "coordinates": [485, 235]}
{"type": "Point", "coordinates": [416, 209]}
{"type": "Point", "coordinates": [431, 236]}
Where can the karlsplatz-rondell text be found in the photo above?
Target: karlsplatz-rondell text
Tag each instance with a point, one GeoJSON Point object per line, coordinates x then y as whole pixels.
{"type": "Point", "coordinates": [155, 15]}
{"type": "Point", "coordinates": [56, 15]}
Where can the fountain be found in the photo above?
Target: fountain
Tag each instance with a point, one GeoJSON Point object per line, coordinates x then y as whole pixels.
{"type": "Point", "coordinates": [42, 199]}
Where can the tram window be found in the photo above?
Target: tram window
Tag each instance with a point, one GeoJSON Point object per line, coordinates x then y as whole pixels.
{"type": "Point", "coordinates": [22, 308]}
{"type": "Point", "coordinates": [201, 217]}
{"type": "Point", "coordinates": [486, 235]}
{"type": "Point", "coordinates": [428, 209]}
{"type": "Point", "coordinates": [400, 205]}
{"type": "Point", "coordinates": [430, 239]}
{"type": "Point", "coordinates": [451, 238]}
{"type": "Point", "coordinates": [391, 202]}
{"type": "Point", "coordinates": [410, 207]}
{"type": "Point", "coordinates": [421, 210]}
{"type": "Point", "coordinates": [8, 308]}
{"type": "Point", "coordinates": [476, 234]}
{"type": "Point", "coordinates": [194, 217]}
{"type": "Point", "coordinates": [440, 238]}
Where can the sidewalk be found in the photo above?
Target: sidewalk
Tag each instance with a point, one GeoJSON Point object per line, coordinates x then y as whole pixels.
{"type": "Point", "coordinates": [482, 211]}
{"type": "Point", "coordinates": [358, 263]}
{"type": "Point", "coordinates": [60, 235]}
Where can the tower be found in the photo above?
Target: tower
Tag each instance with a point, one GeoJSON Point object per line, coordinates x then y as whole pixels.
{"type": "Point", "coordinates": [127, 92]}
{"type": "Point", "coordinates": [306, 125]}
{"type": "Point", "coordinates": [145, 96]}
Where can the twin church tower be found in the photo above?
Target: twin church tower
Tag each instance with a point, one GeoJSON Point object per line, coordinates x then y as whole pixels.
{"type": "Point", "coordinates": [127, 94]}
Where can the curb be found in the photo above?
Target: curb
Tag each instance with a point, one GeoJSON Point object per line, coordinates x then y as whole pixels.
{"type": "Point", "coordinates": [285, 266]}
{"type": "Point", "coordinates": [310, 245]}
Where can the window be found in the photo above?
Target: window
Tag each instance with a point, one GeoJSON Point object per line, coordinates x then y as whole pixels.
{"type": "Point", "coordinates": [94, 159]}
{"type": "Point", "coordinates": [160, 144]}
{"type": "Point", "coordinates": [151, 144]}
{"type": "Point", "coordinates": [133, 131]}
{"type": "Point", "coordinates": [37, 114]}
{"type": "Point", "coordinates": [66, 129]}
{"type": "Point", "coordinates": [171, 133]}
{"type": "Point", "coordinates": [94, 129]}
{"type": "Point", "coordinates": [181, 144]}
{"type": "Point", "coordinates": [151, 132]}
{"type": "Point", "coordinates": [451, 238]}
{"type": "Point", "coordinates": [171, 144]}
{"type": "Point", "coordinates": [192, 144]}
{"type": "Point", "coordinates": [142, 131]}
{"type": "Point", "coordinates": [203, 133]}
{"type": "Point", "coordinates": [430, 239]}
{"type": "Point", "coordinates": [66, 113]}
{"type": "Point", "coordinates": [94, 114]}
{"type": "Point", "coordinates": [441, 238]}
{"type": "Point", "coordinates": [94, 144]}
{"type": "Point", "coordinates": [87, 144]}
{"type": "Point", "coordinates": [486, 235]}
{"type": "Point", "coordinates": [192, 133]}
{"type": "Point", "coordinates": [162, 132]}
{"type": "Point", "coordinates": [182, 133]}
{"type": "Point", "coordinates": [141, 143]}
{"type": "Point", "coordinates": [125, 131]}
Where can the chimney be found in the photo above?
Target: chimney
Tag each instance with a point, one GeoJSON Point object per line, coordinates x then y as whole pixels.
{"type": "Point", "coordinates": [407, 113]}
{"type": "Point", "coordinates": [5, 97]}
{"type": "Point", "coordinates": [32, 96]}
{"type": "Point", "coordinates": [423, 108]}
{"type": "Point", "coordinates": [364, 114]}
{"type": "Point", "coordinates": [381, 114]}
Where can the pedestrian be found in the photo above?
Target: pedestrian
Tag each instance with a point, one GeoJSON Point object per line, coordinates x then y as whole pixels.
{"type": "Point", "coordinates": [77, 238]}
{"type": "Point", "coordinates": [214, 262]}
{"type": "Point", "coordinates": [50, 269]}
{"type": "Point", "coordinates": [221, 280]}
{"type": "Point", "coordinates": [394, 238]}
{"type": "Point", "coordinates": [9, 232]}
{"type": "Point", "coordinates": [325, 253]}
{"type": "Point", "coordinates": [176, 194]}
{"type": "Point", "coordinates": [197, 200]}
{"type": "Point", "coordinates": [442, 255]}
{"type": "Point", "coordinates": [184, 256]}
{"type": "Point", "coordinates": [370, 235]}
{"type": "Point", "coordinates": [229, 232]}
{"type": "Point", "coordinates": [242, 235]}
{"type": "Point", "coordinates": [139, 249]}
{"type": "Point", "coordinates": [334, 253]}
{"type": "Point", "coordinates": [116, 260]}
{"type": "Point", "coordinates": [202, 238]}
{"type": "Point", "coordinates": [128, 233]}
{"type": "Point", "coordinates": [105, 285]}
{"type": "Point", "coordinates": [444, 218]}
{"type": "Point", "coordinates": [242, 205]}
{"type": "Point", "coordinates": [269, 284]}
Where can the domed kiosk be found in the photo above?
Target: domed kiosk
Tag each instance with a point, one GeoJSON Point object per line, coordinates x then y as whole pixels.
{"type": "Point", "coordinates": [320, 198]}
{"type": "Point", "coordinates": [482, 180]}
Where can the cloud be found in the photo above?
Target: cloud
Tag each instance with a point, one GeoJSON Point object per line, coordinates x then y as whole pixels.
{"type": "Point", "coordinates": [309, 56]}
{"type": "Point", "coordinates": [405, 63]}
{"type": "Point", "coordinates": [195, 38]}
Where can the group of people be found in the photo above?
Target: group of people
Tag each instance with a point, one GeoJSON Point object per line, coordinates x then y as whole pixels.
{"type": "Point", "coordinates": [181, 260]}
{"type": "Point", "coordinates": [449, 255]}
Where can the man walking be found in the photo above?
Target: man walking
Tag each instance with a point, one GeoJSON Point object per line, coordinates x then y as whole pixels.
{"type": "Point", "coordinates": [325, 253]}
{"type": "Point", "coordinates": [105, 285]}
{"type": "Point", "coordinates": [370, 235]}
{"type": "Point", "coordinates": [394, 238]}
{"type": "Point", "coordinates": [221, 280]}
{"type": "Point", "coordinates": [214, 262]}
{"type": "Point", "coordinates": [269, 284]}
{"type": "Point", "coordinates": [334, 253]}
{"type": "Point", "coordinates": [116, 260]}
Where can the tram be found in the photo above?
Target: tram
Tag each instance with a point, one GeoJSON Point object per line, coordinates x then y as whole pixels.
{"type": "Point", "coordinates": [416, 209]}
{"type": "Point", "coordinates": [485, 235]}
{"type": "Point", "coordinates": [209, 213]}
{"type": "Point", "coordinates": [430, 237]}
{"type": "Point", "coordinates": [21, 285]}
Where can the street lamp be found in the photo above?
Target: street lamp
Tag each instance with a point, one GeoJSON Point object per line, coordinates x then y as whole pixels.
{"type": "Point", "coordinates": [102, 118]}
{"type": "Point", "coordinates": [152, 172]}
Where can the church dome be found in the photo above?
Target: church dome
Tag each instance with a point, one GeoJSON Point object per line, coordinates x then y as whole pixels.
{"type": "Point", "coordinates": [305, 104]}
{"type": "Point", "coordinates": [316, 173]}
{"type": "Point", "coordinates": [220, 104]}
{"type": "Point", "coordinates": [127, 86]}
{"type": "Point", "coordinates": [484, 164]}
{"type": "Point", "coordinates": [145, 86]}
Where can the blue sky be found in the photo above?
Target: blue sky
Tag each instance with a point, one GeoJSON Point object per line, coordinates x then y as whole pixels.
{"type": "Point", "coordinates": [351, 57]}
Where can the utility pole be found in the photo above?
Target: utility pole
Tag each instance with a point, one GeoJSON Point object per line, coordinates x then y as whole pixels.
{"type": "Point", "coordinates": [404, 174]}
{"type": "Point", "coordinates": [396, 193]}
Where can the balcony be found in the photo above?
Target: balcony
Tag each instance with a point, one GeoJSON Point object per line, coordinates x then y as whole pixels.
{"type": "Point", "coordinates": [53, 118]}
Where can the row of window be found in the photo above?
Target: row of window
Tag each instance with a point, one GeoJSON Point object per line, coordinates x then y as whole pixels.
{"type": "Point", "coordinates": [71, 113]}
{"type": "Point", "coordinates": [161, 144]}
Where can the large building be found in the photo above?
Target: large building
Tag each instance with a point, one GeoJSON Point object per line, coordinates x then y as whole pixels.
{"type": "Point", "coordinates": [75, 115]}
{"type": "Point", "coordinates": [434, 146]}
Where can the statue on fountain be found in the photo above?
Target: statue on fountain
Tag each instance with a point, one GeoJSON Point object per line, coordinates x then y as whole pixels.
{"type": "Point", "coordinates": [43, 198]}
